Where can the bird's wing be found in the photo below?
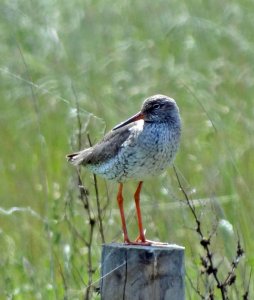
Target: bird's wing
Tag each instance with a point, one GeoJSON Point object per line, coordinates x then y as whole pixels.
{"type": "Point", "coordinates": [106, 149]}
{"type": "Point", "coordinates": [109, 146]}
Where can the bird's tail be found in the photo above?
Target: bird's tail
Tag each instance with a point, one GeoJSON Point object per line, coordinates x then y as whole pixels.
{"type": "Point", "coordinates": [77, 158]}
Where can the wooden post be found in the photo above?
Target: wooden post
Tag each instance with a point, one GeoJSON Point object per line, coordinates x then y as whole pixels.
{"type": "Point", "coordinates": [142, 272]}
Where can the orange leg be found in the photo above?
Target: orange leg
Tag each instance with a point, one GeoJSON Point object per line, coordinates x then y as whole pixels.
{"type": "Point", "coordinates": [141, 239]}
{"type": "Point", "coordinates": [120, 204]}
{"type": "Point", "coordinates": [140, 225]}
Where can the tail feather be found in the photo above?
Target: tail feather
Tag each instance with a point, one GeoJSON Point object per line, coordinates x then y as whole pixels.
{"type": "Point", "coordinates": [77, 158]}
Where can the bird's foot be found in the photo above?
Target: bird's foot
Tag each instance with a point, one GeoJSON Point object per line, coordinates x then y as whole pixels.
{"type": "Point", "coordinates": [149, 242]}
{"type": "Point", "coordinates": [139, 243]}
{"type": "Point", "coordinates": [142, 241]}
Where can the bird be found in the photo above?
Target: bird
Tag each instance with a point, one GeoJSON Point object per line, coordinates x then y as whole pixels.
{"type": "Point", "coordinates": [141, 147]}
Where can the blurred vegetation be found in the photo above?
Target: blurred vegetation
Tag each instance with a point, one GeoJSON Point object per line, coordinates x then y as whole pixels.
{"type": "Point", "coordinates": [108, 56]}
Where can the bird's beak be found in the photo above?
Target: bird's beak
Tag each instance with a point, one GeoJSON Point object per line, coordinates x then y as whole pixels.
{"type": "Point", "coordinates": [138, 116]}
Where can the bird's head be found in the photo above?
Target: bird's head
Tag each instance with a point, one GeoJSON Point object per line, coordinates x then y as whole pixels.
{"type": "Point", "coordinates": [159, 108]}
{"type": "Point", "coordinates": [155, 109]}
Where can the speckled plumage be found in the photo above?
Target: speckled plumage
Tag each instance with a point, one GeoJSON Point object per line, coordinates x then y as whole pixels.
{"type": "Point", "coordinates": [139, 149]}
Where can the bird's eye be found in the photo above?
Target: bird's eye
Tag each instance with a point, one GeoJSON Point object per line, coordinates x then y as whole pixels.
{"type": "Point", "coordinates": [156, 106]}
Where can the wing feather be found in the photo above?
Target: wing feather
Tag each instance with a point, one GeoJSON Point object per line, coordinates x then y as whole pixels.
{"type": "Point", "coordinates": [104, 150]}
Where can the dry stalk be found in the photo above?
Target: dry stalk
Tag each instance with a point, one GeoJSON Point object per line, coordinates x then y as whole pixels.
{"type": "Point", "coordinates": [207, 259]}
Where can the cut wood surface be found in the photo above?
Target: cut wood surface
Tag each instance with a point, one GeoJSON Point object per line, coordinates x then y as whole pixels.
{"type": "Point", "coordinates": [133, 272]}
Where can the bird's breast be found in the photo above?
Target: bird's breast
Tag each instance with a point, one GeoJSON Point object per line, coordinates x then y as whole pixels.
{"type": "Point", "coordinates": [149, 150]}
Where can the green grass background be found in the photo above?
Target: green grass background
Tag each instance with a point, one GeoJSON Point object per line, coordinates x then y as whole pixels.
{"type": "Point", "coordinates": [109, 56]}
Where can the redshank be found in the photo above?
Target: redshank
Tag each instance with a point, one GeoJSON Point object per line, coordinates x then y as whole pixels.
{"type": "Point", "coordinates": [141, 147]}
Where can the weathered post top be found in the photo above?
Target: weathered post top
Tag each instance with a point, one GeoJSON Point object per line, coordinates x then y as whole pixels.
{"type": "Point", "coordinates": [134, 272]}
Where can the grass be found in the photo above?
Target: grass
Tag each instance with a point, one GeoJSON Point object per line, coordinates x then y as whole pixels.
{"type": "Point", "coordinates": [109, 56]}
